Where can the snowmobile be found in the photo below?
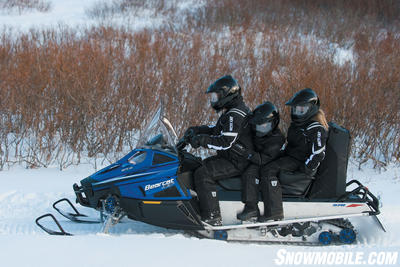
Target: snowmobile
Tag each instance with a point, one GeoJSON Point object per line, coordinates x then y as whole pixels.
{"type": "Point", "coordinates": [154, 184]}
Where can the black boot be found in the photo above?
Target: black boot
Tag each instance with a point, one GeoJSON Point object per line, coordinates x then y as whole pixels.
{"type": "Point", "coordinates": [213, 218]}
{"type": "Point", "coordinates": [275, 217]}
{"type": "Point", "coordinates": [272, 194]}
{"type": "Point", "coordinates": [249, 211]}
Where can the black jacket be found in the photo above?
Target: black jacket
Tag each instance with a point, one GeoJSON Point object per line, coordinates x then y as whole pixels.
{"type": "Point", "coordinates": [230, 130]}
{"type": "Point", "coordinates": [307, 143]}
{"type": "Point", "coordinates": [267, 148]}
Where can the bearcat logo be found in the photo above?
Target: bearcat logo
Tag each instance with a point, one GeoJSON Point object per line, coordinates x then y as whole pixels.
{"type": "Point", "coordinates": [164, 184]}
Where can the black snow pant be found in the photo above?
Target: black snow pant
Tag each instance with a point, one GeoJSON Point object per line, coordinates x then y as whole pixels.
{"type": "Point", "coordinates": [270, 186]}
{"type": "Point", "coordinates": [253, 181]}
{"type": "Point", "coordinates": [250, 185]}
{"type": "Point", "coordinates": [213, 169]}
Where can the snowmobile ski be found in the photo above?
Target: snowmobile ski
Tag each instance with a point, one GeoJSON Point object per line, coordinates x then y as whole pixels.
{"type": "Point", "coordinates": [76, 216]}
{"type": "Point", "coordinates": [49, 231]}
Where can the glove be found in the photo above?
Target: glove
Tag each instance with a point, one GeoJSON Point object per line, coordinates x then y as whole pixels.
{"type": "Point", "coordinates": [199, 140]}
{"type": "Point", "coordinates": [242, 151]}
{"type": "Point", "coordinates": [189, 133]}
{"type": "Point", "coordinates": [181, 144]}
{"type": "Point", "coordinates": [310, 172]}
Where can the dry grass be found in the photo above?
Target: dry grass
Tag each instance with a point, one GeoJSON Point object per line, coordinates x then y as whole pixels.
{"type": "Point", "coordinates": [70, 93]}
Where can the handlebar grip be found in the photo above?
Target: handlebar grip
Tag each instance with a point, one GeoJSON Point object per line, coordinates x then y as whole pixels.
{"type": "Point", "coordinates": [181, 144]}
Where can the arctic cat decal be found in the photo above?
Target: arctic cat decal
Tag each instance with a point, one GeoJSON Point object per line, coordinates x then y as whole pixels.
{"type": "Point", "coordinates": [353, 205]}
{"type": "Point", "coordinates": [127, 169]}
{"type": "Point", "coordinates": [164, 184]}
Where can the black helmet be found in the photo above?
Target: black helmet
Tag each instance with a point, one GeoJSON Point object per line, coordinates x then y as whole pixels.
{"type": "Point", "coordinates": [304, 105]}
{"type": "Point", "coordinates": [223, 90]}
{"type": "Point", "coordinates": [265, 118]}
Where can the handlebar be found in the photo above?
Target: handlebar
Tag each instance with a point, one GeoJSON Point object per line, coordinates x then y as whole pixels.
{"type": "Point", "coordinates": [182, 143]}
{"type": "Point", "coordinates": [185, 140]}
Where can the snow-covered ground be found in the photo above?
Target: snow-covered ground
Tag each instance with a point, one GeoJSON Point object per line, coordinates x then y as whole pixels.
{"type": "Point", "coordinates": [71, 12]}
{"type": "Point", "coordinates": [26, 194]}
{"type": "Point", "coordinates": [75, 13]}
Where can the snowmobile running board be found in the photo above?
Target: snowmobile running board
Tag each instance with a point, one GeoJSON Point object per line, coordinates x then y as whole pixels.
{"type": "Point", "coordinates": [283, 222]}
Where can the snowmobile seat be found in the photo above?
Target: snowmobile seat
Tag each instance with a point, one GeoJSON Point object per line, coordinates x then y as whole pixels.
{"type": "Point", "coordinates": [295, 184]}
{"type": "Point", "coordinates": [330, 180]}
{"type": "Point", "coordinates": [328, 183]}
{"type": "Point", "coordinates": [231, 184]}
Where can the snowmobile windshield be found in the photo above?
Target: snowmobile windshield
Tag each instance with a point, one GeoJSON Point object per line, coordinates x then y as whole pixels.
{"type": "Point", "coordinates": [159, 133]}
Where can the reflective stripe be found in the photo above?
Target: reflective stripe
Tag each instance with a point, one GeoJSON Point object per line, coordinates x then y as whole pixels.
{"type": "Point", "coordinates": [224, 148]}
{"type": "Point", "coordinates": [229, 134]}
{"type": "Point", "coordinates": [237, 111]}
{"type": "Point", "coordinates": [319, 151]}
{"type": "Point", "coordinates": [316, 122]}
{"type": "Point", "coordinates": [314, 126]}
{"type": "Point", "coordinates": [151, 202]}
{"type": "Point", "coordinates": [240, 111]}
{"type": "Point", "coordinates": [124, 178]}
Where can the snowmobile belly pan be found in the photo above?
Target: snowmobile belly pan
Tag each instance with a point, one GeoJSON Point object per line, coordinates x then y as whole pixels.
{"type": "Point", "coordinates": [176, 214]}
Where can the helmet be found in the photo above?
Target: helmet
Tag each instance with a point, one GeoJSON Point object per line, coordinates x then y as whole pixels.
{"type": "Point", "coordinates": [304, 105]}
{"type": "Point", "coordinates": [265, 119]}
{"type": "Point", "coordinates": [223, 91]}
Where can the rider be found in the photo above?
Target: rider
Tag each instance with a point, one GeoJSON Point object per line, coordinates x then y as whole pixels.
{"type": "Point", "coordinates": [230, 130]}
{"type": "Point", "coordinates": [268, 141]}
{"type": "Point", "coordinates": [305, 149]}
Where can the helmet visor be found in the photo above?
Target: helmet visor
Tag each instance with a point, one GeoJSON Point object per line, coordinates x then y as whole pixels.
{"type": "Point", "coordinates": [301, 110]}
{"type": "Point", "coordinates": [264, 128]}
{"type": "Point", "coordinates": [213, 97]}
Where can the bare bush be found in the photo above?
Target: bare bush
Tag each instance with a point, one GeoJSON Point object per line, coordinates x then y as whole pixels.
{"type": "Point", "coordinates": [72, 93]}
{"type": "Point", "coordinates": [109, 9]}
{"type": "Point", "coordinates": [22, 6]}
